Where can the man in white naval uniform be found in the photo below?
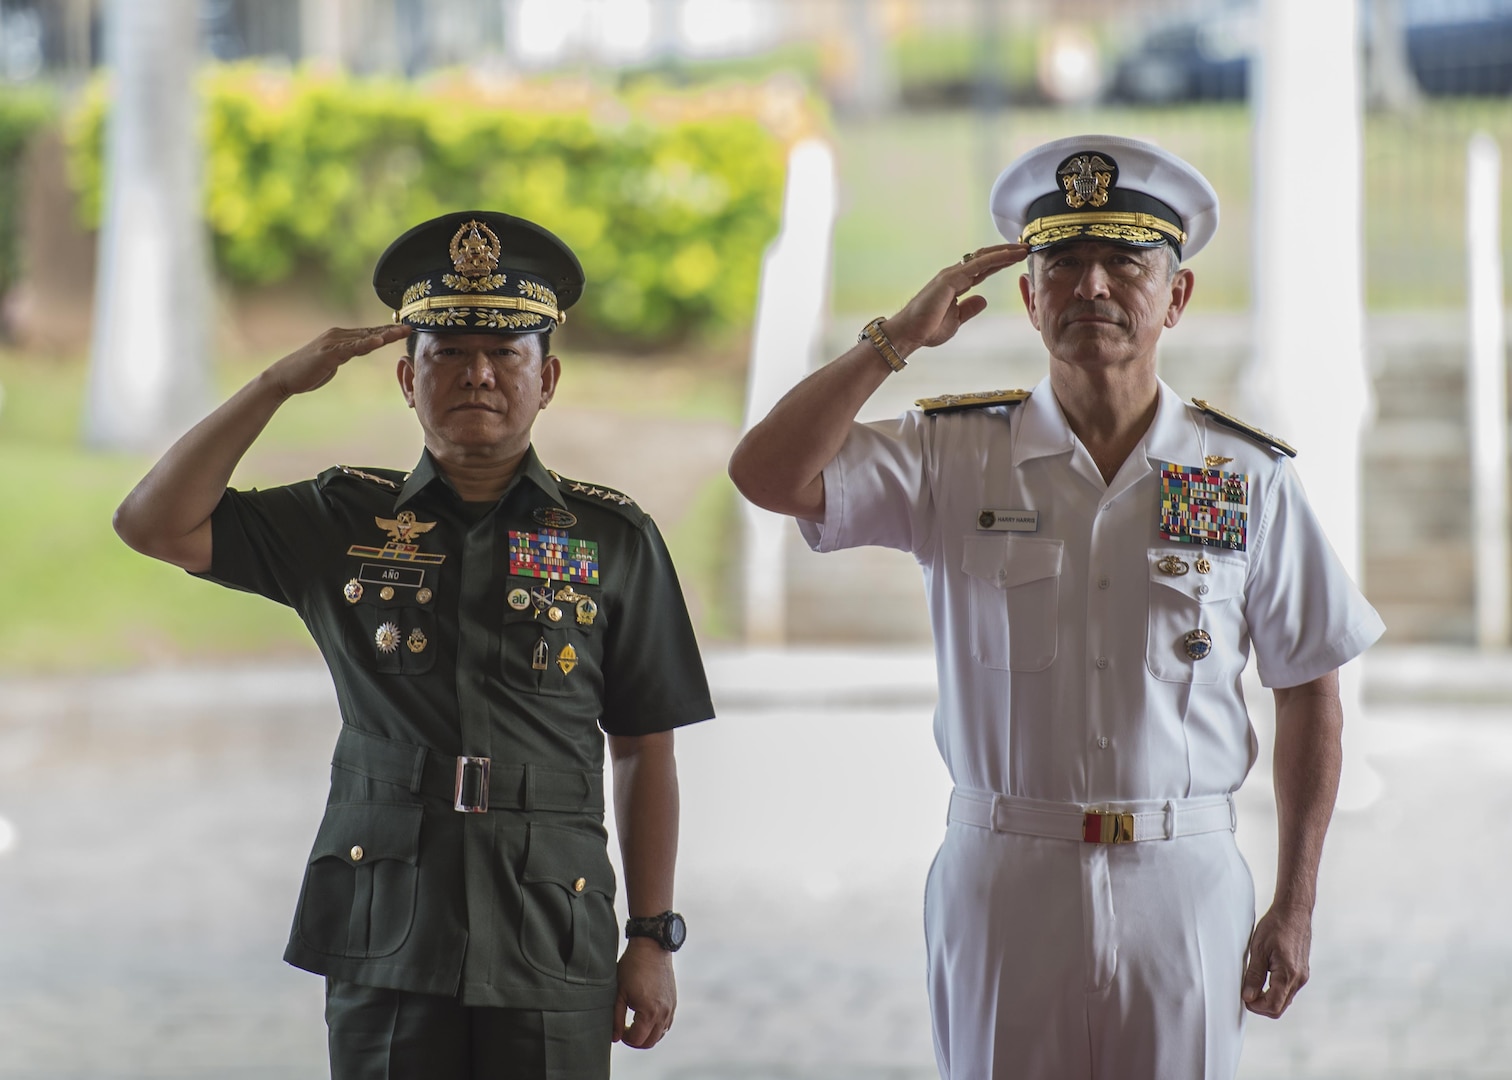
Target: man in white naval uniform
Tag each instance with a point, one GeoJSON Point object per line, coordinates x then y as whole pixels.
{"type": "Point", "coordinates": [1100, 559]}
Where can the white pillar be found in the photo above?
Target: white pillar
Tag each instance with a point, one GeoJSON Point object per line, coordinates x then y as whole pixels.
{"type": "Point", "coordinates": [790, 315]}
{"type": "Point", "coordinates": [1307, 379]}
{"type": "Point", "coordinates": [148, 359]}
{"type": "Point", "coordinates": [1486, 387]}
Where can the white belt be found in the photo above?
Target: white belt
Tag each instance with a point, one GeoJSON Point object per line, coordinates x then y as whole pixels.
{"type": "Point", "coordinates": [1123, 823]}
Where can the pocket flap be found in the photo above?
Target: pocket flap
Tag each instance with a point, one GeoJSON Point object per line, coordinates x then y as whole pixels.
{"type": "Point", "coordinates": [362, 832]}
{"type": "Point", "coordinates": [1009, 561]}
{"type": "Point", "coordinates": [1223, 581]}
{"type": "Point", "coordinates": [575, 860]}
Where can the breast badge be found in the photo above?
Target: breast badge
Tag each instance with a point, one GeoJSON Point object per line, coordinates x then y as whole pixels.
{"type": "Point", "coordinates": [540, 656]}
{"type": "Point", "coordinates": [416, 642]}
{"type": "Point", "coordinates": [554, 517]}
{"type": "Point", "coordinates": [1204, 506]}
{"type": "Point", "coordinates": [1198, 644]}
{"type": "Point", "coordinates": [567, 659]}
{"type": "Point", "coordinates": [352, 590]}
{"type": "Point", "coordinates": [587, 611]}
{"type": "Point", "coordinates": [403, 531]}
{"type": "Point", "coordinates": [518, 599]}
{"type": "Point", "coordinates": [1172, 565]}
{"type": "Point", "coordinates": [386, 638]}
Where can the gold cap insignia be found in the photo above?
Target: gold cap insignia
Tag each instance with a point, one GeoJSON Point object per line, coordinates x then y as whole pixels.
{"type": "Point", "coordinates": [475, 249]}
{"type": "Point", "coordinates": [1086, 178]}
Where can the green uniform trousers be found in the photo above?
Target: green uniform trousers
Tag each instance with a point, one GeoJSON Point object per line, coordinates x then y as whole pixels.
{"type": "Point", "coordinates": [380, 1034]}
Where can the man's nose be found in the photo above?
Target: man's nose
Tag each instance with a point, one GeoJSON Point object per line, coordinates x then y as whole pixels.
{"type": "Point", "coordinates": [1093, 283]}
{"type": "Point", "coordinates": [480, 372]}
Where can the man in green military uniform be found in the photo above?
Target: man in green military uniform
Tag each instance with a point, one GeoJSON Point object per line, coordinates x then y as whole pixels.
{"type": "Point", "coordinates": [486, 623]}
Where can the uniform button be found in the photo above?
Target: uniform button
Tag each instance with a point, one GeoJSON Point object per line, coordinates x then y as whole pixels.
{"type": "Point", "coordinates": [1102, 583]}
{"type": "Point", "coordinates": [1102, 661]}
{"type": "Point", "coordinates": [1202, 590]}
{"type": "Point", "coordinates": [1102, 742]}
{"type": "Point", "coordinates": [1106, 507]}
{"type": "Point", "coordinates": [1002, 576]}
{"type": "Point", "coordinates": [580, 884]}
{"type": "Point", "coordinates": [356, 852]}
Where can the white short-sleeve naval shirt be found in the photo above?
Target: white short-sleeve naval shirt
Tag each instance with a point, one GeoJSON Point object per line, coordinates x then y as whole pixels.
{"type": "Point", "coordinates": [1067, 645]}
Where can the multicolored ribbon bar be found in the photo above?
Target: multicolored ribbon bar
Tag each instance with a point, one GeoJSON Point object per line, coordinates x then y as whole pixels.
{"type": "Point", "coordinates": [554, 556]}
{"type": "Point", "coordinates": [1204, 506]}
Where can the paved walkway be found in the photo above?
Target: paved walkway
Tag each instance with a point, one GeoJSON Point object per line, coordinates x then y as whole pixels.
{"type": "Point", "coordinates": [158, 824]}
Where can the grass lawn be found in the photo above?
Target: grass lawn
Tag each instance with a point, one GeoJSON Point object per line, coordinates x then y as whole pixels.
{"type": "Point", "coordinates": [76, 598]}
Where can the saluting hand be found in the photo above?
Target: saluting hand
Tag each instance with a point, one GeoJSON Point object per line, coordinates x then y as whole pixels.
{"type": "Point", "coordinates": [314, 365]}
{"type": "Point", "coordinates": [937, 312]}
{"type": "Point", "coordinates": [647, 988]}
{"type": "Point", "coordinates": [1279, 947]}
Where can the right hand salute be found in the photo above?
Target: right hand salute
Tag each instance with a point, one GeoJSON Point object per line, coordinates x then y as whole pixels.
{"type": "Point", "coordinates": [314, 365]}
{"type": "Point", "coordinates": [934, 315]}
{"type": "Point", "coordinates": [167, 515]}
{"type": "Point", "coordinates": [780, 462]}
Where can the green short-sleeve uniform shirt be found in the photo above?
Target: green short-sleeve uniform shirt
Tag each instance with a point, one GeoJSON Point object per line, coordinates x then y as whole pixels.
{"type": "Point", "coordinates": [518, 632]}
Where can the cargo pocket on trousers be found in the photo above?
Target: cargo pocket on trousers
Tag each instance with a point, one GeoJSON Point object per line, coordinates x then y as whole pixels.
{"type": "Point", "coordinates": [358, 899]}
{"type": "Point", "coordinates": [568, 928]}
{"type": "Point", "coordinates": [1015, 595]}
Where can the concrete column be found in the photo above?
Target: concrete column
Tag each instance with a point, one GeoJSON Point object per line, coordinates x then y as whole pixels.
{"type": "Point", "coordinates": [1486, 387]}
{"type": "Point", "coordinates": [1307, 380]}
{"type": "Point", "coordinates": [149, 358]}
{"type": "Point", "coordinates": [790, 316]}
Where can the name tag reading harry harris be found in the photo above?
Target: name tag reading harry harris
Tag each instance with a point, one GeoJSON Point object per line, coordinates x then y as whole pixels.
{"type": "Point", "coordinates": [1009, 520]}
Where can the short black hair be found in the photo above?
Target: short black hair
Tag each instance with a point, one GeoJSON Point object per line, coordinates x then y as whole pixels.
{"type": "Point", "coordinates": [409, 343]}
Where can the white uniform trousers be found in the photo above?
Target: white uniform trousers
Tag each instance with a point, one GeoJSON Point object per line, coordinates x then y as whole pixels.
{"type": "Point", "coordinates": [1051, 959]}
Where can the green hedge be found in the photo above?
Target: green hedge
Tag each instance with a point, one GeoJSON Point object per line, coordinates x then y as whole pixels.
{"type": "Point", "coordinates": [668, 201]}
{"type": "Point", "coordinates": [22, 113]}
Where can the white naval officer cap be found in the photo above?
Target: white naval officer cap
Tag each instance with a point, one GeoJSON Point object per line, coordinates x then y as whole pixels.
{"type": "Point", "coordinates": [1104, 187]}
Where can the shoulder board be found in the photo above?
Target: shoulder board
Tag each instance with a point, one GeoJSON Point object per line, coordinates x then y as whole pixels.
{"type": "Point", "coordinates": [593, 491]}
{"type": "Point", "coordinates": [948, 403]}
{"type": "Point", "coordinates": [391, 481]}
{"type": "Point", "coordinates": [1265, 438]}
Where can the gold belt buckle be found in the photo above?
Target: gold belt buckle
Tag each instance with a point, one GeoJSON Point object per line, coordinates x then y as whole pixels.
{"type": "Point", "coordinates": [1107, 827]}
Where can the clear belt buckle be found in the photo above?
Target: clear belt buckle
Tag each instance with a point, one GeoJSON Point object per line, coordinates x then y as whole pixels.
{"type": "Point", "coordinates": [1107, 827]}
{"type": "Point", "coordinates": [472, 785]}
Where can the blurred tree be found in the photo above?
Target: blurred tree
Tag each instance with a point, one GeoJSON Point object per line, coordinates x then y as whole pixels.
{"type": "Point", "coordinates": [149, 357]}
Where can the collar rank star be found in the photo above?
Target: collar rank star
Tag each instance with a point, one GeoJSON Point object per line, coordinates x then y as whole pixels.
{"type": "Point", "coordinates": [1204, 506]}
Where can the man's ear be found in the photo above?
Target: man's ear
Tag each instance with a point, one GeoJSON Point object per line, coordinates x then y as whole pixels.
{"type": "Point", "coordinates": [1026, 290]}
{"type": "Point", "coordinates": [551, 374]}
{"type": "Point", "coordinates": [1181, 294]}
{"type": "Point", "coordinates": [404, 371]}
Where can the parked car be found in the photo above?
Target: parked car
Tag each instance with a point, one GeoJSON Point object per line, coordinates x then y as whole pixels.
{"type": "Point", "coordinates": [1452, 47]}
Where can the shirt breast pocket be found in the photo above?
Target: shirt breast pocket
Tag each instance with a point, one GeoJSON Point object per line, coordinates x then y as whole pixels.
{"type": "Point", "coordinates": [1196, 620]}
{"type": "Point", "coordinates": [394, 636]}
{"type": "Point", "coordinates": [1014, 598]}
{"type": "Point", "coordinates": [554, 657]}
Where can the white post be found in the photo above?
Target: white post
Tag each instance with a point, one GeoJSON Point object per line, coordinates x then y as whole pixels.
{"type": "Point", "coordinates": [790, 313]}
{"type": "Point", "coordinates": [148, 359]}
{"type": "Point", "coordinates": [1307, 377]}
{"type": "Point", "coordinates": [1486, 388]}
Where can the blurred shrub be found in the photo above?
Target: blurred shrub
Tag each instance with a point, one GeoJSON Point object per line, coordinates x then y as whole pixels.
{"type": "Point", "coordinates": [22, 113]}
{"type": "Point", "coordinates": [669, 200]}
